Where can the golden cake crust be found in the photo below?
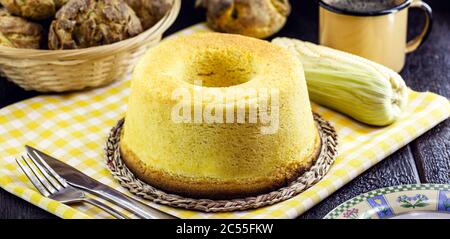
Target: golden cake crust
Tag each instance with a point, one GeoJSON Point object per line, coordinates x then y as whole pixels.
{"type": "Point", "coordinates": [218, 159]}
{"type": "Point", "coordinates": [213, 188]}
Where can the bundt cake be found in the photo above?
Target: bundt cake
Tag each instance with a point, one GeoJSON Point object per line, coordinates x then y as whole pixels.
{"type": "Point", "coordinates": [229, 154]}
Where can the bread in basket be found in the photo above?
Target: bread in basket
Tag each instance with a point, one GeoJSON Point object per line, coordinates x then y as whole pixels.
{"type": "Point", "coordinates": [67, 70]}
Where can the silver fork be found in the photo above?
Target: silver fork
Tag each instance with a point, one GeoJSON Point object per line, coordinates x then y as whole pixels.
{"type": "Point", "coordinates": [51, 185]}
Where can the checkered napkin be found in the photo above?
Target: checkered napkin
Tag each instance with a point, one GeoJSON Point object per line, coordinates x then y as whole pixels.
{"type": "Point", "coordinates": [74, 127]}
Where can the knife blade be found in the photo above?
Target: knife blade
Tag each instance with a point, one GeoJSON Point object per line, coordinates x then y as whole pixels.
{"type": "Point", "coordinates": [80, 180]}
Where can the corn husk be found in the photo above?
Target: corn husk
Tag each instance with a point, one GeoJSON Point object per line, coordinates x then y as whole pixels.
{"type": "Point", "coordinates": [362, 89]}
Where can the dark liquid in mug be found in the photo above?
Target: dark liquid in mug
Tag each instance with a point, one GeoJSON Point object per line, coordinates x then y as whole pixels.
{"type": "Point", "coordinates": [364, 6]}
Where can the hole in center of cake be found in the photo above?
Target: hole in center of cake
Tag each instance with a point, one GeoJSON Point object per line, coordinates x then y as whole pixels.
{"type": "Point", "coordinates": [220, 68]}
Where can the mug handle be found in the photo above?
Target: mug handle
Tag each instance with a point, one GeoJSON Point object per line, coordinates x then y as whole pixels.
{"type": "Point", "coordinates": [420, 39]}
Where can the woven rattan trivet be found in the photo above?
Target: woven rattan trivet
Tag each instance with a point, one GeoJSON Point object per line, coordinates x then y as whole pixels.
{"type": "Point", "coordinates": [126, 178]}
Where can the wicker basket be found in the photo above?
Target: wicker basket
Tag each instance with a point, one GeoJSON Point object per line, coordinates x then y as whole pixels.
{"type": "Point", "coordinates": [67, 70]}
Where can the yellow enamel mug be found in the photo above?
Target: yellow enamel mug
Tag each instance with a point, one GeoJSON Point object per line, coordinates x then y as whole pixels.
{"type": "Point", "coordinates": [376, 32]}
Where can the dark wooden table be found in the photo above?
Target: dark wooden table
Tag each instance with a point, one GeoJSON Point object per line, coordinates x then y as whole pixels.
{"type": "Point", "coordinates": [425, 160]}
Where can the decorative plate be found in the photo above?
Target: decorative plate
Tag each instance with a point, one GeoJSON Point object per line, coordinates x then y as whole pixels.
{"type": "Point", "coordinates": [403, 201]}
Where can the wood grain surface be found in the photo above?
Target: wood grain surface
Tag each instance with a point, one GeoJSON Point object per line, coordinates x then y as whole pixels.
{"type": "Point", "coordinates": [426, 159]}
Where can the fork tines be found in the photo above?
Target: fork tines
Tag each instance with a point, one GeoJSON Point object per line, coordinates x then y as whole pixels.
{"type": "Point", "coordinates": [41, 175]}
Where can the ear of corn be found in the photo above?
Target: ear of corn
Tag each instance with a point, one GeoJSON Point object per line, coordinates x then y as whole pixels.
{"type": "Point", "coordinates": [366, 91]}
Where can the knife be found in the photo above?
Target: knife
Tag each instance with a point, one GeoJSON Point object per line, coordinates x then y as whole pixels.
{"type": "Point", "coordinates": [80, 180]}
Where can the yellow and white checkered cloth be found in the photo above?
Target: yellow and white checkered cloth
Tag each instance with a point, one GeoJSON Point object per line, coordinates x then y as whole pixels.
{"type": "Point", "coordinates": [74, 127]}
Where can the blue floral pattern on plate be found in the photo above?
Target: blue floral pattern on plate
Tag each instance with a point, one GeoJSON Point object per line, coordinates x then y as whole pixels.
{"type": "Point", "coordinates": [381, 206]}
{"type": "Point", "coordinates": [444, 201]}
{"type": "Point", "coordinates": [417, 201]}
{"type": "Point", "coordinates": [396, 201]}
